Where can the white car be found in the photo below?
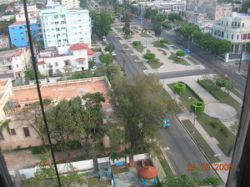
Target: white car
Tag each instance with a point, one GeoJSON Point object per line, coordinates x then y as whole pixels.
{"type": "Point", "coordinates": [113, 54]}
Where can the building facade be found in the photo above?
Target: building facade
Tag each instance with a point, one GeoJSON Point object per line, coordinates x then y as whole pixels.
{"type": "Point", "coordinates": [221, 10]}
{"type": "Point", "coordinates": [165, 6]}
{"type": "Point", "coordinates": [236, 29]}
{"type": "Point", "coordinates": [71, 3]}
{"type": "Point", "coordinates": [18, 33]}
{"type": "Point", "coordinates": [55, 61]}
{"type": "Point", "coordinates": [13, 63]}
{"type": "Point", "coordinates": [33, 13]}
{"type": "Point", "coordinates": [61, 26]}
{"type": "Point", "coordinates": [4, 42]}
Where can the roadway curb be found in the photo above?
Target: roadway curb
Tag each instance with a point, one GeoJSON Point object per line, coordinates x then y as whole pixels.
{"type": "Point", "coordinates": [168, 160]}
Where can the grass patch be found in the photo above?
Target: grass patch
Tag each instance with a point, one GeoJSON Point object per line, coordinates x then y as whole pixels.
{"type": "Point", "coordinates": [155, 64]}
{"type": "Point", "coordinates": [96, 182]}
{"type": "Point", "coordinates": [138, 46]}
{"type": "Point", "coordinates": [184, 96]}
{"type": "Point", "coordinates": [193, 60]}
{"type": "Point", "coordinates": [215, 128]}
{"type": "Point", "coordinates": [163, 161]}
{"type": "Point", "coordinates": [222, 96]}
{"type": "Point", "coordinates": [160, 44]}
{"type": "Point", "coordinates": [178, 60]}
{"type": "Point", "coordinates": [200, 141]}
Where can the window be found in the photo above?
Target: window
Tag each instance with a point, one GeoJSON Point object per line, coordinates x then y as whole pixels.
{"type": "Point", "coordinates": [1, 136]}
{"type": "Point", "coordinates": [238, 36]}
{"type": "Point", "coordinates": [243, 25]}
{"type": "Point", "coordinates": [232, 37]}
{"type": "Point", "coordinates": [17, 65]}
{"type": "Point", "coordinates": [67, 62]}
{"type": "Point", "coordinates": [12, 132]}
{"type": "Point", "coordinates": [26, 132]}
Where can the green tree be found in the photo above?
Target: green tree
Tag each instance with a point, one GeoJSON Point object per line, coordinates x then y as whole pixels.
{"type": "Point", "coordinates": [4, 26]}
{"type": "Point", "coordinates": [157, 21]}
{"type": "Point", "coordinates": [140, 106]}
{"type": "Point", "coordinates": [150, 13]}
{"type": "Point", "coordinates": [110, 48]}
{"type": "Point", "coordinates": [45, 175]}
{"type": "Point", "coordinates": [106, 59]}
{"type": "Point", "coordinates": [30, 74]}
{"type": "Point", "coordinates": [211, 181]}
{"type": "Point", "coordinates": [127, 16]}
{"type": "Point", "coordinates": [174, 17]}
{"type": "Point", "coordinates": [101, 23]}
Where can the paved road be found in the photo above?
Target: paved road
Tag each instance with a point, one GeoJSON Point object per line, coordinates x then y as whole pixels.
{"type": "Point", "coordinates": [208, 60]}
{"type": "Point", "coordinates": [211, 62]}
{"type": "Point", "coordinates": [182, 150]}
{"type": "Point", "coordinates": [168, 75]}
{"type": "Point", "coordinates": [132, 69]}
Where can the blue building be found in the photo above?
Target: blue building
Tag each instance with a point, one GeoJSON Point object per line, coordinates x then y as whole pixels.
{"type": "Point", "coordinates": [18, 33]}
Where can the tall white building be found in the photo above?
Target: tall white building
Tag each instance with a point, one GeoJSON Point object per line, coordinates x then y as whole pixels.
{"type": "Point", "coordinates": [71, 3]}
{"type": "Point", "coordinates": [236, 29]}
{"type": "Point", "coordinates": [62, 26]}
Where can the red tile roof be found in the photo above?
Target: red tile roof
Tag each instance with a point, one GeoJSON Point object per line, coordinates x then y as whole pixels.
{"type": "Point", "coordinates": [18, 23]}
{"type": "Point", "coordinates": [41, 62]}
{"type": "Point", "coordinates": [79, 46]}
{"type": "Point", "coordinates": [17, 53]}
{"type": "Point", "coordinates": [148, 172]}
{"type": "Point", "coordinates": [90, 52]}
{"type": "Point", "coordinates": [3, 36]}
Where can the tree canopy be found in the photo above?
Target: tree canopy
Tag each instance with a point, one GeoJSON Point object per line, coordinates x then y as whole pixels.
{"type": "Point", "coordinates": [141, 107]}
{"type": "Point", "coordinates": [30, 74]}
{"type": "Point", "coordinates": [101, 23]}
{"type": "Point", "coordinates": [106, 59]}
{"type": "Point", "coordinates": [206, 40]}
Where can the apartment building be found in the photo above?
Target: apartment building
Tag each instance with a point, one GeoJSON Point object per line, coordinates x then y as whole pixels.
{"type": "Point", "coordinates": [62, 26]}
{"type": "Point", "coordinates": [236, 29]}
{"type": "Point", "coordinates": [165, 6]}
{"type": "Point", "coordinates": [4, 42]}
{"type": "Point", "coordinates": [18, 33]}
{"type": "Point", "coordinates": [71, 3]}
{"type": "Point", "coordinates": [14, 62]}
{"type": "Point", "coordinates": [33, 13]}
{"type": "Point", "coordinates": [55, 61]}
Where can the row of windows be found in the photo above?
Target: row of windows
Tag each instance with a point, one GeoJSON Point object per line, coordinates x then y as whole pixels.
{"type": "Point", "coordinates": [235, 24]}
{"type": "Point", "coordinates": [12, 132]}
{"type": "Point", "coordinates": [232, 36]}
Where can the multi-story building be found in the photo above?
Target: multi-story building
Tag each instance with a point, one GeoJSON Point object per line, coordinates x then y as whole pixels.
{"type": "Point", "coordinates": [4, 42]}
{"type": "Point", "coordinates": [165, 6]}
{"type": "Point", "coordinates": [61, 26]}
{"type": "Point", "coordinates": [13, 63]}
{"type": "Point", "coordinates": [71, 3]}
{"type": "Point", "coordinates": [8, 1]}
{"type": "Point", "coordinates": [55, 61]}
{"type": "Point", "coordinates": [18, 33]}
{"type": "Point", "coordinates": [236, 29]}
{"type": "Point", "coordinates": [33, 13]}
{"type": "Point", "coordinates": [220, 10]}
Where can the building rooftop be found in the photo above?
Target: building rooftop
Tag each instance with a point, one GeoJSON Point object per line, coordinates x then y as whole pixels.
{"type": "Point", "coordinates": [3, 36]}
{"type": "Point", "coordinates": [62, 90]}
{"type": "Point", "coordinates": [18, 23]}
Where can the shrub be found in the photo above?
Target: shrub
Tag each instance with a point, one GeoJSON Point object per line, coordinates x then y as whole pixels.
{"type": "Point", "coordinates": [198, 106]}
{"type": "Point", "coordinates": [180, 87]}
{"type": "Point", "coordinates": [214, 124]}
{"type": "Point", "coordinates": [136, 43]}
{"type": "Point", "coordinates": [38, 150]}
{"type": "Point", "coordinates": [221, 82]}
{"type": "Point", "coordinates": [213, 181]}
{"type": "Point", "coordinates": [180, 53]}
{"type": "Point", "coordinates": [149, 56]}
